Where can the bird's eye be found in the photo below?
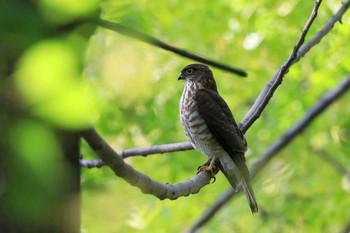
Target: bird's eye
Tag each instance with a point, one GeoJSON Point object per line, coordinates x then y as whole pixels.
{"type": "Point", "coordinates": [189, 71]}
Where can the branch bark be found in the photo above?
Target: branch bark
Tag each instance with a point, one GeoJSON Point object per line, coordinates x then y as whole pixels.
{"type": "Point", "coordinates": [135, 178]}
{"type": "Point", "coordinates": [143, 151]}
{"type": "Point", "coordinates": [267, 93]}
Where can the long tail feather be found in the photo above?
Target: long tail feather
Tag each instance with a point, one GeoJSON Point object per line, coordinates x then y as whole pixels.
{"type": "Point", "coordinates": [235, 176]}
{"type": "Point", "coordinates": [250, 196]}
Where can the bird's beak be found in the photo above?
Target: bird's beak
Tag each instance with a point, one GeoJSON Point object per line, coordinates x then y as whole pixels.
{"type": "Point", "coordinates": [181, 77]}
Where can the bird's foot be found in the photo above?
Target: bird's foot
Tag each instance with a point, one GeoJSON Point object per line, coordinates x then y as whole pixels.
{"type": "Point", "coordinates": [210, 167]}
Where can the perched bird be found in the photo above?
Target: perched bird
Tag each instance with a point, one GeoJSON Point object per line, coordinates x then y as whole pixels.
{"type": "Point", "coordinates": [210, 127]}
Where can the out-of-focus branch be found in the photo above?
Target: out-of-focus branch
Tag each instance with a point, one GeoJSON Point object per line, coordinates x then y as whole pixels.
{"type": "Point", "coordinates": [135, 178]}
{"type": "Point", "coordinates": [326, 100]}
{"type": "Point", "coordinates": [158, 43]}
{"type": "Point", "coordinates": [332, 162]}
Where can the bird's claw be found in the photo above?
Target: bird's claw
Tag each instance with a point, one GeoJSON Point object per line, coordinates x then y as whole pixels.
{"type": "Point", "coordinates": [210, 167]}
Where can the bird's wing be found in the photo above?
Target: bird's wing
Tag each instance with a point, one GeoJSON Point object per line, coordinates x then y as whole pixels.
{"type": "Point", "coordinates": [222, 125]}
{"type": "Point", "coordinates": [220, 121]}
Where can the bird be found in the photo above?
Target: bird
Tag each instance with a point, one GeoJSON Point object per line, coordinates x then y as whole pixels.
{"type": "Point", "coordinates": [210, 127]}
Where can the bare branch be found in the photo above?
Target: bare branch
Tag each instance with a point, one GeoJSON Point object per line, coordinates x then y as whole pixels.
{"type": "Point", "coordinates": [157, 149]}
{"type": "Point", "coordinates": [324, 31]}
{"type": "Point", "coordinates": [267, 93]}
{"type": "Point", "coordinates": [135, 178]}
{"type": "Point", "coordinates": [157, 43]}
{"type": "Point", "coordinates": [141, 151]}
{"type": "Point", "coordinates": [326, 100]}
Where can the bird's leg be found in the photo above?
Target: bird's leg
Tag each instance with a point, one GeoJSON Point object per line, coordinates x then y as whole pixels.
{"type": "Point", "coordinates": [209, 166]}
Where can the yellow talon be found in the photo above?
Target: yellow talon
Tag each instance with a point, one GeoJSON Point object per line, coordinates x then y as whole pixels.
{"type": "Point", "coordinates": [209, 166]}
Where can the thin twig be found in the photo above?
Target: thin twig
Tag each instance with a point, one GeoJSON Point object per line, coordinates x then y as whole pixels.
{"type": "Point", "coordinates": [156, 149]}
{"type": "Point", "coordinates": [267, 93]}
{"type": "Point", "coordinates": [327, 99]}
{"type": "Point", "coordinates": [158, 43]}
{"type": "Point", "coordinates": [324, 31]}
{"type": "Point", "coordinates": [141, 151]}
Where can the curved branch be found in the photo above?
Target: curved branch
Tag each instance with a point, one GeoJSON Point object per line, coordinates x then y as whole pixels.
{"type": "Point", "coordinates": [135, 178]}
{"type": "Point", "coordinates": [327, 99]}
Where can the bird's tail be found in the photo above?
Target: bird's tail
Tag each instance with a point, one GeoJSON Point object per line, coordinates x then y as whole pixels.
{"type": "Point", "coordinates": [250, 196]}
{"type": "Point", "coordinates": [234, 176]}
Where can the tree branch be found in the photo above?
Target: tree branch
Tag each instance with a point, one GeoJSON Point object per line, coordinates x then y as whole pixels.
{"type": "Point", "coordinates": [332, 162]}
{"type": "Point", "coordinates": [324, 31]}
{"type": "Point", "coordinates": [143, 151]}
{"type": "Point", "coordinates": [267, 93]}
{"type": "Point", "coordinates": [135, 178]}
{"type": "Point", "coordinates": [327, 99]}
{"type": "Point", "coordinates": [126, 31]}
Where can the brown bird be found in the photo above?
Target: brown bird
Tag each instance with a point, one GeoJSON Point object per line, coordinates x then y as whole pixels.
{"type": "Point", "coordinates": [210, 127]}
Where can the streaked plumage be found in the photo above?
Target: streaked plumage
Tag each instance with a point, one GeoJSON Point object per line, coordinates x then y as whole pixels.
{"type": "Point", "coordinates": [210, 127]}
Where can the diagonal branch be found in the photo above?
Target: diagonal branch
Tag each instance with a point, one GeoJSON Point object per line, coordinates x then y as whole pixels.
{"type": "Point", "coordinates": [160, 44]}
{"type": "Point", "coordinates": [267, 93]}
{"type": "Point", "coordinates": [332, 162]}
{"type": "Point", "coordinates": [324, 31]}
{"type": "Point", "coordinates": [327, 99]}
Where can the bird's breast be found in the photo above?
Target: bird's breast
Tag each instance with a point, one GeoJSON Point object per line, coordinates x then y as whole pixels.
{"type": "Point", "coordinates": [195, 128]}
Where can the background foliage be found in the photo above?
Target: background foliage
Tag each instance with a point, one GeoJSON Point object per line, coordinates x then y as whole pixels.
{"type": "Point", "coordinates": [130, 93]}
{"type": "Point", "coordinates": [298, 192]}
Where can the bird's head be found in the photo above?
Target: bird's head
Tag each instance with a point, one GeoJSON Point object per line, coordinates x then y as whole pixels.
{"type": "Point", "coordinates": [200, 74]}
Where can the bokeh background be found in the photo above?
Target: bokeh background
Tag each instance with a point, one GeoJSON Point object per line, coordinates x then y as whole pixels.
{"type": "Point", "coordinates": [68, 73]}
